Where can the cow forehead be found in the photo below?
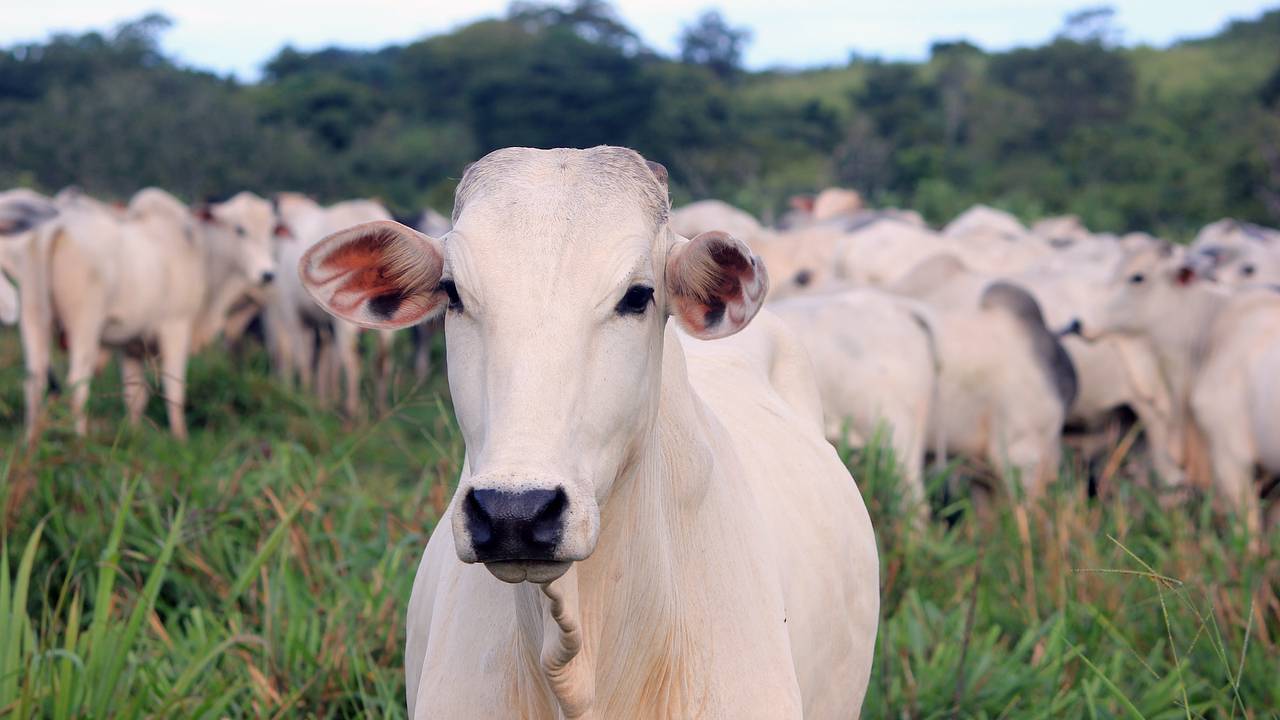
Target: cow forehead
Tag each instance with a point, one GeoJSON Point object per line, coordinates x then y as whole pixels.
{"type": "Point", "coordinates": [572, 253]}
{"type": "Point", "coordinates": [246, 208]}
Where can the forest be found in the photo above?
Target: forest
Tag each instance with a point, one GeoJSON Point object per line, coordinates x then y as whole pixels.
{"type": "Point", "coordinates": [1129, 138]}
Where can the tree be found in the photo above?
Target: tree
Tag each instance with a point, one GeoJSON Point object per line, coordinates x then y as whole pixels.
{"type": "Point", "coordinates": [1092, 25]}
{"type": "Point", "coordinates": [711, 42]}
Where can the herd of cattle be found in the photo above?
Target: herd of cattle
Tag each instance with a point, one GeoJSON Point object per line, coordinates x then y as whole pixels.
{"type": "Point", "coordinates": [156, 277]}
{"type": "Point", "coordinates": [611, 455]}
{"type": "Point", "coordinates": [987, 338]}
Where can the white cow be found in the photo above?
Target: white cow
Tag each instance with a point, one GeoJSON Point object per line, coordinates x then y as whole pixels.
{"type": "Point", "coordinates": [1238, 254]}
{"type": "Point", "coordinates": [883, 252]}
{"type": "Point", "coordinates": [1114, 372]}
{"type": "Point", "coordinates": [297, 328]}
{"type": "Point", "coordinates": [984, 220]}
{"type": "Point", "coordinates": [705, 215]}
{"type": "Point", "coordinates": [1219, 350]}
{"type": "Point", "coordinates": [1006, 382]}
{"type": "Point", "coordinates": [876, 366]}
{"type": "Point", "coordinates": [681, 539]}
{"type": "Point", "coordinates": [132, 281]}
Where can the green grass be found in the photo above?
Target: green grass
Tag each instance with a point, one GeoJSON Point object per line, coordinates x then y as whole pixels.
{"type": "Point", "coordinates": [262, 570]}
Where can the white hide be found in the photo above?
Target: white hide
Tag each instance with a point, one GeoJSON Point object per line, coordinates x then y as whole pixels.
{"type": "Point", "coordinates": [704, 215]}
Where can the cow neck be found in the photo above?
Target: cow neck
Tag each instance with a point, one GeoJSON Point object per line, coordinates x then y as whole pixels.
{"type": "Point", "coordinates": [220, 290]}
{"type": "Point", "coordinates": [1182, 346]}
{"type": "Point", "coordinates": [610, 638]}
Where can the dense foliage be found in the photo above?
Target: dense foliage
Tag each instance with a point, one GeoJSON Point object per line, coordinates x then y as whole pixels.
{"type": "Point", "coordinates": [1129, 138]}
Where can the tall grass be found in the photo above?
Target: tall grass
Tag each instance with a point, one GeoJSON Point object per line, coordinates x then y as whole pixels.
{"type": "Point", "coordinates": [262, 570]}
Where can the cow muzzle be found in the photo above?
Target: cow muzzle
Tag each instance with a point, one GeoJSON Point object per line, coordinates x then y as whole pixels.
{"type": "Point", "coordinates": [522, 531]}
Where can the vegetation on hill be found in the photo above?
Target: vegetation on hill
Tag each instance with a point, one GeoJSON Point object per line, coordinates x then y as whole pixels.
{"type": "Point", "coordinates": [1162, 139]}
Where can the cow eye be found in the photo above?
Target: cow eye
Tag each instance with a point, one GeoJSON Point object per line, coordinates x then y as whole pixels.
{"type": "Point", "coordinates": [1248, 270]}
{"type": "Point", "coordinates": [240, 231]}
{"type": "Point", "coordinates": [636, 301]}
{"type": "Point", "coordinates": [1137, 279]}
{"type": "Point", "coordinates": [455, 302]}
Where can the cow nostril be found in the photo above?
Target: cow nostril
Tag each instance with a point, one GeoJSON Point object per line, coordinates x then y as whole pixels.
{"type": "Point", "coordinates": [479, 524]}
{"type": "Point", "coordinates": [267, 277]}
{"type": "Point", "coordinates": [803, 278]}
{"type": "Point", "coordinates": [545, 528]}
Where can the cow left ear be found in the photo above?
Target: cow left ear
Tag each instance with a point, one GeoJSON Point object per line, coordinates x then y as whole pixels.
{"type": "Point", "coordinates": [715, 285]}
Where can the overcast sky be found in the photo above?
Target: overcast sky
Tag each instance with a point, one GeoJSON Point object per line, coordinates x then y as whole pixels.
{"type": "Point", "coordinates": [236, 36]}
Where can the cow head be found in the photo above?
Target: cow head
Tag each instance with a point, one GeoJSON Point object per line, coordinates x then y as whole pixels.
{"type": "Point", "coordinates": [1141, 293]}
{"type": "Point", "coordinates": [556, 282]}
{"type": "Point", "coordinates": [243, 229]}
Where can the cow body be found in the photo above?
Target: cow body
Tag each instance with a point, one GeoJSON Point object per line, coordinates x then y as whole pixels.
{"type": "Point", "coordinates": [1006, 382]}
{"type": "Point", "coordinates": [876, 367]}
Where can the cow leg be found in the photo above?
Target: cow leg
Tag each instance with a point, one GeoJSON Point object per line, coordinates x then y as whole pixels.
{"type": "Point", "coordinates": [1029, 461]}
{"type": "Point", "coordinates": [382, 381]}
{"type": "Point", "coordinates": [134, 382]}
{"type": "Point", "coordinates": [175, 345]}
{"type": "Point", "coordinates": [907, 439]}
{"type": "Point", "coordinates": [321, 374]}
{"type": "Point", "coordinates": [36, 329]}
{"type": "Point", "coordinates": [345, 339]}
{"type": "Point", "coordinates": [422, 334]}
{"type": "Point", "coordinates": [1218, 409]}
{"type": "Point", "coordinates": [84, 329]}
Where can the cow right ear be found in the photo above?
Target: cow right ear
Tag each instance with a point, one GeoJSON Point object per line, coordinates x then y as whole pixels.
{"type": "Point", "coordinates": [380, 275]}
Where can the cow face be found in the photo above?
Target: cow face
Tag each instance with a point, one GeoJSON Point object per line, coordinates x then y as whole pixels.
{"type": "Point", "coordinates": [556, 283]}
{"type": "Point", "coordinates": [244, 228]}
{"type": "Point", "coordinates": [1141, 293]}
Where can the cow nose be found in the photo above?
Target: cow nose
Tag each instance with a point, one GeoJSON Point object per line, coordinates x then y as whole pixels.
{"type": "Point", "coordinates": [523, 525]}
{"type": "Point", "coordinates": [267, 277]}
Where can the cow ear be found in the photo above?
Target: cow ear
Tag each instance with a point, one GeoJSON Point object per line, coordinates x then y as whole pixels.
{"type": "Point", "coordinates": [714, 285]}
{"type": "Point", "coordinates": [379, 275]}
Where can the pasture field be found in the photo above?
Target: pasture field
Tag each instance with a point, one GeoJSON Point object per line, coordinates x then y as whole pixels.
{"type": "Point", "coordinates": [262, 570]}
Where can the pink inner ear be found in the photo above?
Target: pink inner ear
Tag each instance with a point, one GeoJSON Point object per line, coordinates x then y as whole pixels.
{"type": "Point", "coordinates": [359, 265]}
{"type": "Point", "coordinates": [716, 279]}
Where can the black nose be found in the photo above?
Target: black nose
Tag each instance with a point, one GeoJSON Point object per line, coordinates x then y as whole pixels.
{"type": "Point", "coordinates": [267, 277]}
{"type": "Point", "coordinates": [524, 525]}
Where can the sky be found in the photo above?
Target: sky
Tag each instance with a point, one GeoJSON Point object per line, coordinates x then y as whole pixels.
{"type": "Point", "coordinates": [237, 36]}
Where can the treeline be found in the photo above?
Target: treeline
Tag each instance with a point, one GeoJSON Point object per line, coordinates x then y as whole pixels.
{"type": "Point", "coordinates": [1142, 138]}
